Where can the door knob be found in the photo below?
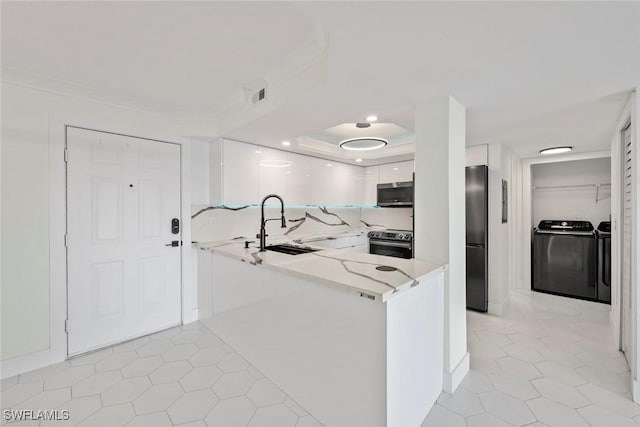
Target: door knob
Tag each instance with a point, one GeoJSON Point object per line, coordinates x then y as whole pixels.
{"type": "Point", "coordinates": [174, 243]}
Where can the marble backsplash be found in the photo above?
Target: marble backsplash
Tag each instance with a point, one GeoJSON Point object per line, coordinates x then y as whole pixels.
{"type": "Point", "coordinates": [229, 222]}
{"type": "Point", "coordinates": [393, 218]}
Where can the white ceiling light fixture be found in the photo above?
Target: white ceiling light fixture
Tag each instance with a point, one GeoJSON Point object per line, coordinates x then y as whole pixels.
{"type": "Point", "coordinates": [372, 118]}
{"type": "Point", "coordinates": [556, 150]}
{"type": "Point", "coordinates": [275, 163]}
{"type": "Point", "coordinates": [329, 165]}
{"type": "Point", "coordinates": [363, 144]}
{"type": "Point", "coordinates": [358, 160]}
{"type": "Point", "coordinates": [286, 143]}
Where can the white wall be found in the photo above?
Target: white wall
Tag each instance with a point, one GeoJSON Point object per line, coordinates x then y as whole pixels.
{"type": "Point", "coordinates": [440, 218]}
{"type": "Point", "coordinates": [503, 239]}
{"type": "Point", "coordinates": [200, 170]}
{"type": "Point", "coordinates": [572, 203]}
{"type": "Point", "coordinates": [476, 155]}
{"type": "Point", "coordinates": [503, 266]}
{"type": "Point", "coordinates": [25, 225]}
{"type": "Point", "coordinates": [33, 207]}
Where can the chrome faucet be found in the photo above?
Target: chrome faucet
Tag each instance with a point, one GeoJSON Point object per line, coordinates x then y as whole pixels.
{"type": "Point", "coordinates": [263, 222]}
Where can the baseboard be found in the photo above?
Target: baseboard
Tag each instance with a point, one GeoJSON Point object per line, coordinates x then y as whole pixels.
{"type": "Point", "coordinates": [499, 309]}
{"type": "Point", "coordinates": [451, 380]}
{"type": "Point", "coordinates": [26, 363]}
{"type": "Point", "coordinates": [190, 317]}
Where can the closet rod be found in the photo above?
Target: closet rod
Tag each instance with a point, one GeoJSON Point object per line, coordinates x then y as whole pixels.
{"type": "Point", "coordinates": [559, 187]}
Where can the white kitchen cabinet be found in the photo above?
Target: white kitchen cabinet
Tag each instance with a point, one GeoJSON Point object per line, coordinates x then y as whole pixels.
{"type": "Point", "coordinates": [356, 178]}
{"type": "Point", "coordinates": [335, 183]}
{"type": "Point", "coordinates": [244, 173]}
{"type": "Point", "coordinates": [371, 180]}
{"type": "Point", "coordinates": [323, 182]}
{"type": "Point", "coordinates": [241, 174]}
{"type": "Point", "coordinates": [396, 172]}
{"type": "Point", "coordinates": [216, 172]}
{"type": "Point", "coordinates": [274, 171]}
{"type": "Point", "coordinates": [298, 180]}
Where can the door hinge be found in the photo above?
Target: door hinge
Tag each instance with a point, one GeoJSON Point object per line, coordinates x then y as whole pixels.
{"type": "Point", "coordinates": [66, 155]}
{"type": "Point", "coordinates": [66, 326]}
{"type": "Point", "coordinates": [66, 240]}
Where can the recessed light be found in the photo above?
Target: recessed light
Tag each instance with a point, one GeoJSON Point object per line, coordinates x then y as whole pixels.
{"type": "Point", "coordinates": [286, 143]}
{"type": "Point", "coordinates": [556, 150]}
{"type": "Point", "coordinates": [329, 164]}
{"type": "Point", "coordinates": [372, 118]}
{"type": "Point", "coordinates": [358, 160]}
{"type": "Point", "coordinates": [395, 169]}
{"type": "Point", "coordinates": [258, 151]}
{"type": "Point", "coordinates": [363, 143]}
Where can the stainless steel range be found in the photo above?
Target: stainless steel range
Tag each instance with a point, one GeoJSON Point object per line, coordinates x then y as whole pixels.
{"type": "Point", "coordinates": [395, 243]}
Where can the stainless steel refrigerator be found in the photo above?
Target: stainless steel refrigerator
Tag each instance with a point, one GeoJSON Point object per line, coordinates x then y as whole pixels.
{"type": "Point", "coordinates": [477, 184]}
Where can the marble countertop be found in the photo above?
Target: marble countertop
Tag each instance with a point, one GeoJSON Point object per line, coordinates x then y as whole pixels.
{"type": "Point", "coordinates": [344, 269]}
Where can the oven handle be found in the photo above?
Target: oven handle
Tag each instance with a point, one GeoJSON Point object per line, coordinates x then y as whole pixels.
{"type": "Point", "coordinates": [393, 244]}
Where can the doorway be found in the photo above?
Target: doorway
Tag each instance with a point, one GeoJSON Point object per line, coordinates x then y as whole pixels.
{"type": "Point", "coordinates": [123, 238]}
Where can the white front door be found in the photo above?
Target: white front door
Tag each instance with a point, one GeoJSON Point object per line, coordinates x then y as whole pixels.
{"type": "Point", "coordinates": [122, 195]}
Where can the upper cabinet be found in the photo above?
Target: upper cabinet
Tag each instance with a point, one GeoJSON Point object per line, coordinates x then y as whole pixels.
{"type": "Point", "coordinates": [298, 183]}
{"type": "Point", "coordinates": [245, 173]}
{"type": "Point", "coordinates": [371, 180]}
{"type": "Point", "coordinates": [336, 183]}
{"type": "Point", "coordinates": [274, 169]}
{"type": "Point", "coordinates": [396, 172]}
{"type": "Point", "coordinates": [241, 173]}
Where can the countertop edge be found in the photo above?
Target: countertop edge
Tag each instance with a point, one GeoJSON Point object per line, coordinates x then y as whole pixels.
{"type": "Point", "coordinates": [214, 247]}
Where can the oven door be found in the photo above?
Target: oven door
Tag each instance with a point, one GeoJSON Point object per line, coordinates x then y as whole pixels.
{"type": "Point", "coordinates": [391, 248]}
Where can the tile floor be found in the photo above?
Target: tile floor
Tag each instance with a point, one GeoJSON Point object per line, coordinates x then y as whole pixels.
{"type": "Point", "coordinates": [549, 361]}
{"type": "Point", "coordinates": [184, 376]}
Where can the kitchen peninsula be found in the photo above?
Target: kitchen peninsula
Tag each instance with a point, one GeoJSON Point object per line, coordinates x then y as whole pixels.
{"type": "Point", "coordinates": [357, 339]}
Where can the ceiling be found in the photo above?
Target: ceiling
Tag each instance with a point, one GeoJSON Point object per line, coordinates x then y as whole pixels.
{"type": "Point", "coordinates": [531, 74]}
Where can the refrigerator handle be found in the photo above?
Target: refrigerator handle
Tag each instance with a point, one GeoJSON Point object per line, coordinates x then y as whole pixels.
{"type": "Point", "coordinates": [475, 245]}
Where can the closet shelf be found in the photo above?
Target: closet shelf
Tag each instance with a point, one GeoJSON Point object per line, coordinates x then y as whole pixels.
{"type": "Point", "coordinates": [597, 187]}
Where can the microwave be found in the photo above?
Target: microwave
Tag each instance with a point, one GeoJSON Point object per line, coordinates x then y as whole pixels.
{"type": "Point", "coordinates": [395, 194]}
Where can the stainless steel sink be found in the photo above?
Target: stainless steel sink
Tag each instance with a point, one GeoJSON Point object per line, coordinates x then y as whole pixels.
{"type": "Point", "coordinates": [291, 249]}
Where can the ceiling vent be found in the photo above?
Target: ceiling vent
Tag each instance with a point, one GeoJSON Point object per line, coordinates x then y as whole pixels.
{"type": "Point", "coordinates": [255, 91]}
{"type": "Point", "coordinates": [259, 96]}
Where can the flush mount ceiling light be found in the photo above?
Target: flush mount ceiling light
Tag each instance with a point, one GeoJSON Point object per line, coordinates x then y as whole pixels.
{"type": "Point", "coordinates": [363, 144]}
{"type": "Point", "coordinates": [275, 163]}
{"type": "Point", "coordinates": [372, 118]}
{"type": "Point", "coordinates": [358, 160]}
{"type": "Point", "coordinates": [286, 143]}
{"type": "Point", "coordinates": [555, 150]}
